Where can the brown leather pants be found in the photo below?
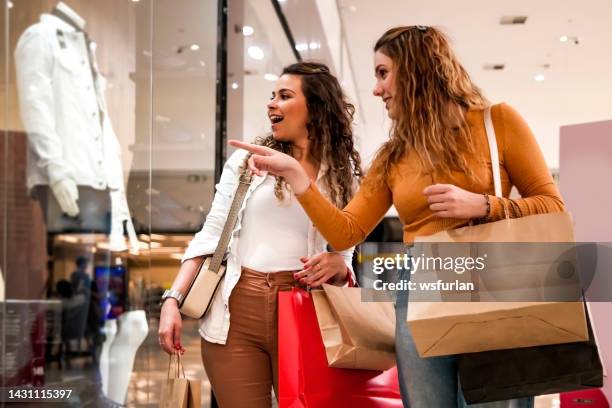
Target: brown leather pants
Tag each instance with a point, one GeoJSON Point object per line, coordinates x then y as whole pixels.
{"type": "Point", "coordinates": [243, 371]}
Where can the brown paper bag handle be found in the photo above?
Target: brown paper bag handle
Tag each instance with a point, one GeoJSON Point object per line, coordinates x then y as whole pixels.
{"type": "Point", "coordinates": [179, 366]}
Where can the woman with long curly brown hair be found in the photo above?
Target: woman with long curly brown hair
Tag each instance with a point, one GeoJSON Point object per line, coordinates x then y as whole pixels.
{"type": "Point", "coordinates": [328, 131]}
{"type": "Point", "coordinates": [436, 169]}
{"type": "Point", "coordinates": [274, 245]}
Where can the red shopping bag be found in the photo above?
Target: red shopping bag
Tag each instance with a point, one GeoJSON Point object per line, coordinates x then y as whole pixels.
{"type": "Point", "coordinates": [304, 378]}
{"type": "Point", "coordinates": [584, 399]}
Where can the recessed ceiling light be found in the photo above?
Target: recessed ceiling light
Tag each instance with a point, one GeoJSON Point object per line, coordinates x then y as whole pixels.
{"type": "Point", "coordinates": [513, 20]}
{"type": "Point", "coordinates": [270, 77]}
{"type": "Point", "coordinates": [247, 30]}
{"type": "Point", "coordinates": [194, 47]}
{"type": "Point", "coordinates": [9, 4]}
{"type": "Point", "coordinates": [314, 45]}
{"type": "Point", "coordinates": [234, 85]}
{"type": "Point", "coordinates": [572, 38]}
{"type": "Point", "coordinates": [494, 67]}
{"type": "Point", "coordinates": [539, 77]}
{"type": "Point", "coordinates": [301, 46]}
{"type": "Point", "coordinates": [135, 1]}
{"type": "Point", "coordinates": [255, 52]}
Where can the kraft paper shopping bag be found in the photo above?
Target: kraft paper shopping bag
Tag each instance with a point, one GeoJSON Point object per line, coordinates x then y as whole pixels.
{"type": "Point", "coordinates": [446, 328]}
{"type": "Point", "coordinates": [356, 334]}
{"type": "Point", "coordinates": [304, 378]}
{"type": "Point", "coordinates": [177, 391]}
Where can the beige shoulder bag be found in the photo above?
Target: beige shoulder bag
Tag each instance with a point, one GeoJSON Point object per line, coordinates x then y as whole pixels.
{"type": "Point", "coordinates": [212, 269]}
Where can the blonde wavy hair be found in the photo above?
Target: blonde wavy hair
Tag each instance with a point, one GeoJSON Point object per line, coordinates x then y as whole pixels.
{"type": "Point", "coordinates": [433, 93]}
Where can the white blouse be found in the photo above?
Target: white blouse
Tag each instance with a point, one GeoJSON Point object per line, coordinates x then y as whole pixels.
{"type": "Point", "coordinates": [274, 234]}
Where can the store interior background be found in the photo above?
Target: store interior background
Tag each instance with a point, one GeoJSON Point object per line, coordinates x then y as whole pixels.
{"type": "Point", "coordinates": [162, 62]}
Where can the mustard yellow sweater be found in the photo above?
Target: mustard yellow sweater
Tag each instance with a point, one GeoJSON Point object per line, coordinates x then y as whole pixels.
{"type": "Point", "coordinates": [522, 165]}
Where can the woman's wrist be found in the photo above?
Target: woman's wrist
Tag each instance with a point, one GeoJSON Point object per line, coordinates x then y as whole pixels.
{"type": "Point", "coordinates": [298, 179]}
{"type": "Point", "coordinates": [341, 277]}
{"type": "Point", "coordinates": [485, 211]}
{"type": "Point", "coordinates": [172, 301]}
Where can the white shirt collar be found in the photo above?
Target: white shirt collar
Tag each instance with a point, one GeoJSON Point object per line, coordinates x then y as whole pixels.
{"type": "Point", "coordinates": [56, 21]}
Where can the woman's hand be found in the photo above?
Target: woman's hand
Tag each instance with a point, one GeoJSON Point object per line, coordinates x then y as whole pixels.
{"type": "Point", "coordinates": [321, 268]}
{"type": "Point", "coordinates": [276, 163]}
{"type": "Point", "coordinates": [450, 201]}
{"type": "Point", "coordinates": [170, 324]}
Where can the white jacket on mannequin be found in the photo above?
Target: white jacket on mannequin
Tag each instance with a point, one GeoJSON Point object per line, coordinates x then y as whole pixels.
{"type": "Point", "coordinates": [64, 113]}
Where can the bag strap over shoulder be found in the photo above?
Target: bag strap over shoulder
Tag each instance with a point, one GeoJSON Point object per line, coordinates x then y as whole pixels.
{"type": "Point", "coordinates": [244, 181]}
{"type": "Point", "coordinates": [490, 130]}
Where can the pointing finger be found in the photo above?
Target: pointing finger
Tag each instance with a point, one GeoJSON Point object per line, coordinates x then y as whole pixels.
{"type": "Point", "coordinates": [253, 148]}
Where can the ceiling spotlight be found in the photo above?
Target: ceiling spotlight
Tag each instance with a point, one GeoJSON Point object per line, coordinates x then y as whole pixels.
{"type": "Point", "coordinates": [539, 77]}
{"type": "Point", "coordinates": [9, 4]}
{"type": "Point", "coordinates": [572, 38]}
{"type": "Point", "coordinates": [247, 30]}
{"type": "Point", "coordinates": [314, 45]}
{"type": "Point", "coordinates": [234, 85]}
{"type": "Point", "coordinates": [513, 20]}
{"type": "Point", "coordinates": [270, 77]}
{"type": "Point", "coordinates": [255, 52]}
{"type": "Point", "coordinates": [301, 46]}
{"type": "Point", "coordinates": [194, 47]}
{"type": "Point", "coordinates": [135, 1]}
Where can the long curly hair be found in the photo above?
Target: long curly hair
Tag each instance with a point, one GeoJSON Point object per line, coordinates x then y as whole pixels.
{"type": "Point", "coordinates": [433, 93]}
{"type": "Point", "coordinates": [330, 132]}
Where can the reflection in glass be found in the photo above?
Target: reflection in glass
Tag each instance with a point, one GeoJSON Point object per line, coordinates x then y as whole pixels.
{"type": "Point", "coordinates": [77, 318]}
{"type": "Point", "coordinates": [74, 166]}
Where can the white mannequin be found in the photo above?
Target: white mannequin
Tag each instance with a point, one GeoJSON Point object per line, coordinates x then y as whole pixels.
{"type": "Point", "coordinates": [71, 140]}
{"type": "Point", "coordinates": [65, 190]}
{"type": "Point", "coordinates": [133, 330]}
{"type": "Point", "coordinates": [110, 330]}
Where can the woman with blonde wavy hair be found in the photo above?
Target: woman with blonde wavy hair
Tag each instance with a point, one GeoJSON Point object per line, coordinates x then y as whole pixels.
{"type": "Point", "coordinates": [274, 246]}
{"type": "Point", "coordinates": [436, 169]}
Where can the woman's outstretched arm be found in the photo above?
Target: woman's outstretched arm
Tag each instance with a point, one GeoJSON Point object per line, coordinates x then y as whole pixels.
{"type": "Point", "coordinates": [342, 228]}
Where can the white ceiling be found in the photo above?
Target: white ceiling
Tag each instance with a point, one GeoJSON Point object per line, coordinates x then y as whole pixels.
{"type": "Point", "coordinates": [578, 84]}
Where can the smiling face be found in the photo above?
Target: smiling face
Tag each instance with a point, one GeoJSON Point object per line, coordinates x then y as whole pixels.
{"type": "Point", "coordinates": [287, 110]}
{"type": "Point", "coordinates": [385, 82]}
